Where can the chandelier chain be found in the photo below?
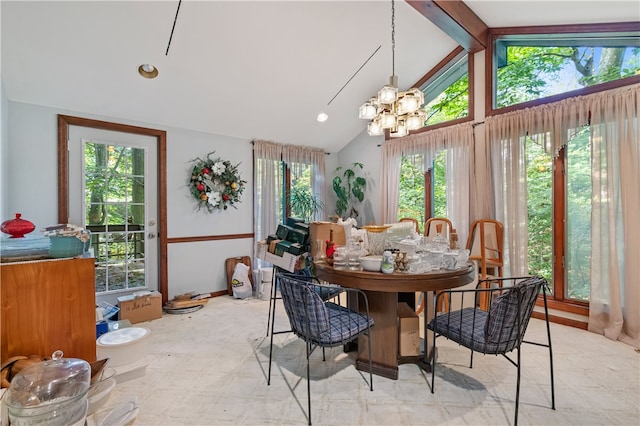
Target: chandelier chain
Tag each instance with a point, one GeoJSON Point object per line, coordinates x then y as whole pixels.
{"type": "Point", "coordinates": [393, 37]}
{"type": "Point", "coordinates": [394, 111]}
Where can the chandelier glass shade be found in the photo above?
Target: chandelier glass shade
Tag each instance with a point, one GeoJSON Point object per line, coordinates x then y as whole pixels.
{"type": "Point", "coordinates": [399, 112]}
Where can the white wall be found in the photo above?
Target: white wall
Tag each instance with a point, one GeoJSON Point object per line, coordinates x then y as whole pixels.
{"type": "Point", "coordinates": [4, 155]}
{"type": "Point", "coordinates": [365, 149]}
{"type": "Point", "coordinates": [30, 147]}
{"type": "Point", "coordinates": [4, 215]}
{"type": "Point", "coordinates": [183, 219]}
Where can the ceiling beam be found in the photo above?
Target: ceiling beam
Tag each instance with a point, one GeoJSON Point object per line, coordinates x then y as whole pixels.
{"type": "Point", "coordinates": [457, 20]}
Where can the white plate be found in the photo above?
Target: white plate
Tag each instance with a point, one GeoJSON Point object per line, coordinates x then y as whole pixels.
{"type": "Point", "coordinates": [121, 415]}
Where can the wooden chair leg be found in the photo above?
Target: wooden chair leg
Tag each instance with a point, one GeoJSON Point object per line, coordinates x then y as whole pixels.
{"type": "Point", "coordinates": [484, 297]}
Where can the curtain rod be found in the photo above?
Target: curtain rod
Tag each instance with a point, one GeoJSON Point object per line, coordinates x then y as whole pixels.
{"type": "Point", "coordinates": [325, 153]}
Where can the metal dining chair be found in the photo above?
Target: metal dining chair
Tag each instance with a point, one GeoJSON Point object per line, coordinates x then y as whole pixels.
{"type": "Point", "coordinates": [322, 323]}
{"type": "Point", "coordinates": [498, 330]}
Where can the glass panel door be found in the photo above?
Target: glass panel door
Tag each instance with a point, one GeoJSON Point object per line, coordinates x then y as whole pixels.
{"type": "Point", "coordinates": [115, 213]}
{"type": "Point", "coordinates": [113, 193]}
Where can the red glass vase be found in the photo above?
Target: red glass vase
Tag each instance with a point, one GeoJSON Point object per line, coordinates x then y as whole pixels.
{"type": "Point", "coordinates": [17, 227]}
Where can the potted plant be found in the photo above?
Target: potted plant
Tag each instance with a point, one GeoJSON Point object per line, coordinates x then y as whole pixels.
{"type": "Point", "coordinates": [302, 203]}
{"type": "Point", "coordinates": [349, 186]}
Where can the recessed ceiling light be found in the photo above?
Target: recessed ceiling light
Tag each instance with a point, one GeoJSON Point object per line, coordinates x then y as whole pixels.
{"type": "Point", "coordinates": [322, 117]}
{"type": "Point", "coordinates": [148, 71]}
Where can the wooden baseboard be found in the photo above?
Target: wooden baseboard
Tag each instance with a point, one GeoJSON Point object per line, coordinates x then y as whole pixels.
{"type": "Point", "coordinates": [561, 320]}
{"type": "Point", "coordinates": [219, 293]}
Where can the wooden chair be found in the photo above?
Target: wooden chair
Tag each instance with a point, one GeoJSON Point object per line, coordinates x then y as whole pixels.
{"type": "Point", "coordinates": [410, 219]}
{"type": "Point", "coordinates": [485, 244]}
{"type": "Point", "coordinates": [431, 226]}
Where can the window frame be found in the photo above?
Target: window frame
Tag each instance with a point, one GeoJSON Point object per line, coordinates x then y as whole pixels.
{"type": "Point", "coordinates": [545, 30]}
{"type": "Point", "coordinates": [557, 301]}
{"type": "Point", "coordinates": [448, 61]}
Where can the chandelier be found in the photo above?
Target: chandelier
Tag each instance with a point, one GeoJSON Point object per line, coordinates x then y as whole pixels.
{"type": "Point", "coordinates": [397, 111]}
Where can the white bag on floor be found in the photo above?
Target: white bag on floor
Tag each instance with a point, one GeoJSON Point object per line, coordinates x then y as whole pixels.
{"type": "Point", "coordinates": [240, 282]}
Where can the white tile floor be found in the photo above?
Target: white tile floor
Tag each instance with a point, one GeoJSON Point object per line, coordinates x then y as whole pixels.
{"type": "Point", "coordinates": [209, 368]}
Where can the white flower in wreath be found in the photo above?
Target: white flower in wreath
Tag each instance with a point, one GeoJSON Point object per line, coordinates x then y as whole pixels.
{"type": "Point", "coordinates": [214, 198]}
{"type": "Point", "coordinates": [218, 168]}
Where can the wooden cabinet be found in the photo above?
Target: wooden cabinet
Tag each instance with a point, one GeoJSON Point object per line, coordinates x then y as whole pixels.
{"type": "Point", "coordinates": [48, 305]}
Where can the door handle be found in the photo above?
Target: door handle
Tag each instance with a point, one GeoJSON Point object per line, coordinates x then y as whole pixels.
{"type": "Point", "coordinates": [151, 235]}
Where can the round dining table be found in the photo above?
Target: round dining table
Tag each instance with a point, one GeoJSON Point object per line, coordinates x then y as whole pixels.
{"type": "Point", "coordinates": [382, 295]}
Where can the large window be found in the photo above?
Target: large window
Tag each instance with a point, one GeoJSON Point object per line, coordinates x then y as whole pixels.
{"type": "Point", "coordinates": [288, 181]}
{"type": "Point", "coordinates": [528, 67]}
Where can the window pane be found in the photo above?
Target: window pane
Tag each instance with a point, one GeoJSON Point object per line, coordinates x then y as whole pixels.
{"type": "Point", "coordinates": [446, 94]}
{"type": "Point", "coordinates": [579, 193]}
{"type": "Point", "coordinates": [411, 201]}
{"type": "Point", "coordinates": [529, 67]}
{"type": "Point", "coordinates": [539, 208]}
{"type": "Point", "coordinates": [135, 274]}
{"type": "Point", "coordinates": [440, 185]}
{"type": "Point", "coordinates": [115, 213]}
{"type": "Point", "coordinates": [303, 203]}
{"type": "Point", "coordinates": [411, 196]}
{"type": "Point", "coordinates": [119, 159]}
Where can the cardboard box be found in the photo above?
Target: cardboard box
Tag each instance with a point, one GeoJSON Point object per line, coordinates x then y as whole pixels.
{"type": "Point", "coordinates": [140, 306]}
{"type": "Point", "coordinates": [408, 331]}
{"type": "Point", "coordinates": [287, 262]}
{"type": "Point", "coordinates": [319, 232]}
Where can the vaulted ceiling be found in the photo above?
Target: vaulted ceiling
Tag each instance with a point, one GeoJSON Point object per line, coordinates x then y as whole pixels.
{"type": "Point", "coordinates": [249, 69]}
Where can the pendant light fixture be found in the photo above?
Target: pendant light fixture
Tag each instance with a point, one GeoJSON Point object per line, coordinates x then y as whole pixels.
{"type": "Point", "coordinates": [397, 111]}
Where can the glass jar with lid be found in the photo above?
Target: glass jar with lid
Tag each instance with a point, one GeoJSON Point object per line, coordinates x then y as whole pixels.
{"type": "Point", "coordinates": [50, 393]}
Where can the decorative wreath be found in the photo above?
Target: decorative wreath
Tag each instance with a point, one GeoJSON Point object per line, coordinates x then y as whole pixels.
{"type": "Point", "coordinates": [215, 184]}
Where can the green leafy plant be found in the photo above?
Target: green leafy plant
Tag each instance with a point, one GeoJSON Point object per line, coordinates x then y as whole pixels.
{"type": "Point", "coordinates": [303, 204]}
{"type": "Point", "coordinates": [349, 186]}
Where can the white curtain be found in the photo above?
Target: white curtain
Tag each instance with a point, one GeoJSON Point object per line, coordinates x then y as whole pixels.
{"type": "Point", "coordinates": [614, 308]}
{"type": "Point", "coordinates": [508, 170]}
{"type": "Point", "coordinates": [458, 141]}
{"type": "Point", "coordinates": [267, 176]}
{"type": "Point", "coordinates": [615, 235]}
